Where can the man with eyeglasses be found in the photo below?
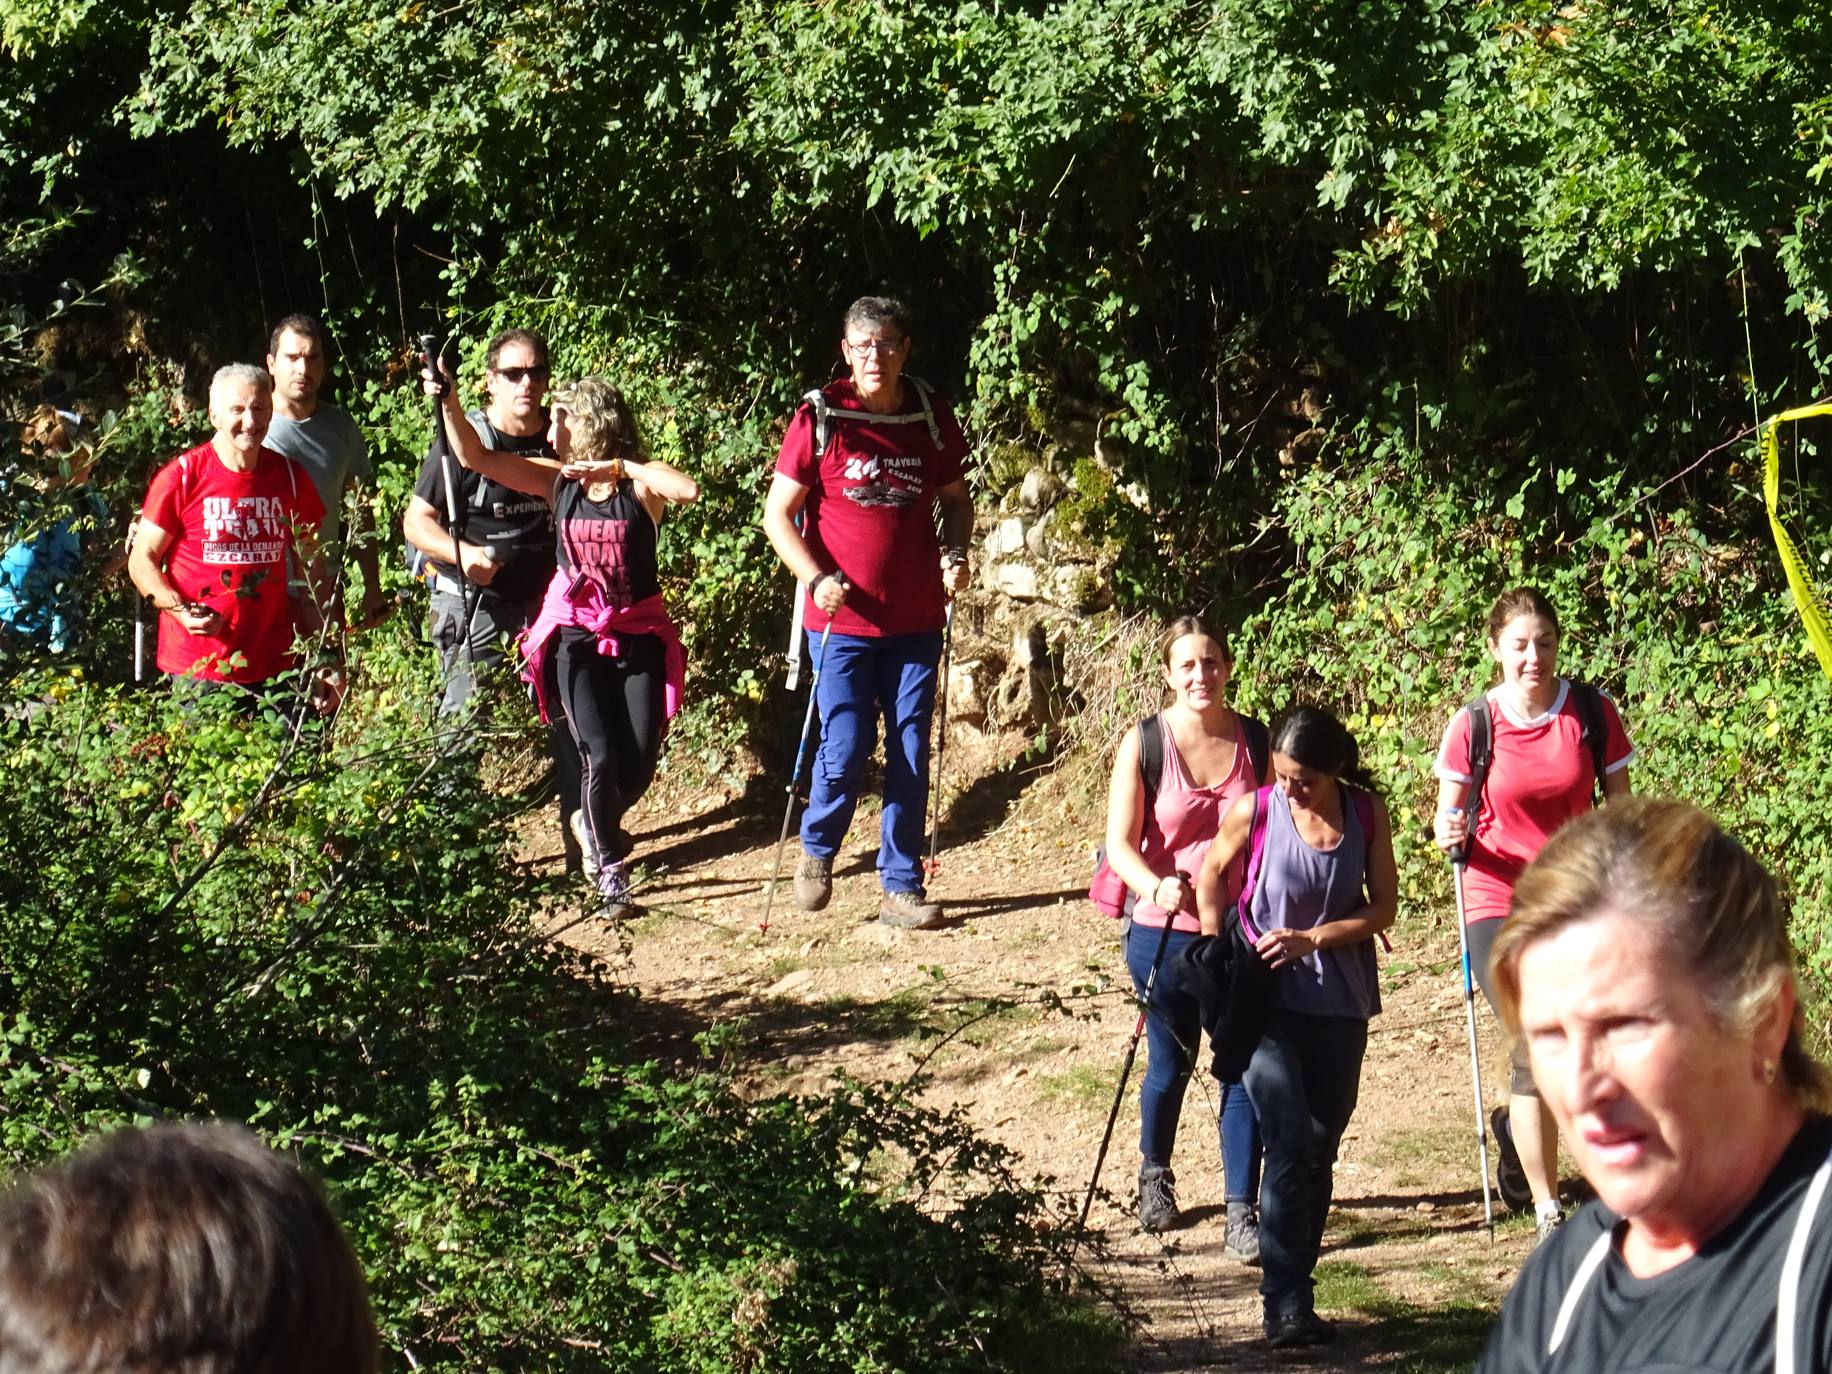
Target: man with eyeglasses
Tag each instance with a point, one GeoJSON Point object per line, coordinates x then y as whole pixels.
{"type": "Point", "coordinates": [851, 511]}
{"type": "Point", "coordinates": [506, 543]}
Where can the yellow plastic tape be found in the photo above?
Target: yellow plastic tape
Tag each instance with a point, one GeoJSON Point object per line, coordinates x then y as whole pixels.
{"type": "Point", "coordinates": [1806, 595]}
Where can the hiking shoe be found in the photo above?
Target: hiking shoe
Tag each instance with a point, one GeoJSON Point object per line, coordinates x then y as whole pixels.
{"type": "Point", "coordinates": [588, 859]}
{"type": "Point", "coordinates": [1291, 1330]}
{"type": "Point", "coordinates": [813, 882]}
{"type": "Point", "coordinates": [1240, 1240]}
{"type": "Point", "coordinates": [1545, 1224]}
{"type": "Point", "coordinates": [1157, 1199]}
{"type": "Point", "coordinates": [615, 900]}
{"type": "Point", "coordinates": [909, 911]}
{"type": "Point", "coordinates": [1510, 1177]}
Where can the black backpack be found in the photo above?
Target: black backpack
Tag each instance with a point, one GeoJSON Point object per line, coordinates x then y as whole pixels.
{"type": "Point", "coordinates": [1586, 700]}
{"type": "Point", "coordinates": [1108, 891]}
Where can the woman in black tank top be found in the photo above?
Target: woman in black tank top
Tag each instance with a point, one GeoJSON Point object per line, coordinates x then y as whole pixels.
{"type": "Point", "coordinates": [617, 654]}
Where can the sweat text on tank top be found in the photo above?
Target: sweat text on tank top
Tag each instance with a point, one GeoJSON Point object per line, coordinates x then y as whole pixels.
{"type": "Point", "coordinates": [610, 542]}
{"type": "Point", "coordinates": [1182, 822]}
{"type": "Point", "coordinates": [1300, 887]}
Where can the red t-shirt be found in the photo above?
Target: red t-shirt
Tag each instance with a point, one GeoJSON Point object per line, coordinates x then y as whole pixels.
{"type": "Point", "coordinates": [230, 535]}
{"type": "Point", "coordinates": [1540, 776]}
{"type": "Point", "coordinates": [869, 511]}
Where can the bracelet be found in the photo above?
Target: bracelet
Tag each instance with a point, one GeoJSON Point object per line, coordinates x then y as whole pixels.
{"type": "Point", "coordinates": [815, 585]}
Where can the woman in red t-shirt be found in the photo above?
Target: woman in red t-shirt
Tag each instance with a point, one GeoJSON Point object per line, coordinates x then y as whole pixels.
{"type": "Point", "coordinates": [1156, 845]}
{"type": "Point", "coordinates": [1542, 773]}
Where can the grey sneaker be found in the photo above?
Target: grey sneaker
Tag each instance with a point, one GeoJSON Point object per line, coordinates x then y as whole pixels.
{"type": "Point", "coordinates": [1157, 1199]}
{"type": "Point", "coordinates": [909, 911]}
{"type": "Point", "coordinates": [813, 882]}
{"type": "Point", "coordinates": [588, 859]}
{"type": "Point", "coordinates": [1545, 1226]}
{"type": "Point", "coordinates": [1240, 1239]}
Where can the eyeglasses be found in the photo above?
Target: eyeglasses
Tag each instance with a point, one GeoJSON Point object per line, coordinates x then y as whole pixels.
{"type": "Point", "coordinates": [883, 348]}
{"type": "Point", "coordinates": [515, 375]}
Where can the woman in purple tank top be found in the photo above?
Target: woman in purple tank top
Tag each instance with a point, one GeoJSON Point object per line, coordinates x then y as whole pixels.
{"type": "Point", "coordinates": [1324, 885]}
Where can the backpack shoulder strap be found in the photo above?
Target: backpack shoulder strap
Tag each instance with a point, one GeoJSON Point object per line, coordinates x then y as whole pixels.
{"type": "Point", "coordinates": [1256, 848]}
{"type": "Point", "coordinates": [1587, 701]}
{"type": "Point", "coordinates": [1363, 802]}
{"type": "Point", "coordinates": [823, 424]}
{"type": "Point", "coordinates": [1258, 742]}
{"type": "Point", "coordinates": [1481, 753]}
{"type": "Point", "coordinates": [1151, 755]}
{"type": "Point", "coordinates": [923, 392]}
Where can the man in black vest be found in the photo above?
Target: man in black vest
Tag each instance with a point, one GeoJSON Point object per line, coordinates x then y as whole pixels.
{"type": "Point", "coordinates": [505, 544]}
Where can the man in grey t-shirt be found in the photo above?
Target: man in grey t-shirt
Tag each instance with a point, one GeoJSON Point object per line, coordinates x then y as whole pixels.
{"type": "Point", "coordinates": [327, 443]}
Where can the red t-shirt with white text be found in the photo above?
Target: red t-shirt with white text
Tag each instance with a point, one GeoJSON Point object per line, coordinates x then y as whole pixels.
{"type": "Point", "coordinates": [230, 535]}
{"type": "Point", "coordinates": [869, 511]}
{"type": "Point", "coordinates": [1540, 775]}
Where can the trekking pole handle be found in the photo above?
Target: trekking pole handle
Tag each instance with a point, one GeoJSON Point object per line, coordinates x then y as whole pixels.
{"type": "Point", "coordinates": [430, 349]}
{"type": "Point", "coordinates": [1459, 853]}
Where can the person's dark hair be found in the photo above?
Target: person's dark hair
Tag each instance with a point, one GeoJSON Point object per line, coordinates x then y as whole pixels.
{"type": "Point", "coordinates": [602, 424]}
{"type": "Point", "coordinates": [1315, 739]}
{"type": "Point", "coordinates": [526, 337]}
{"type": "Point", "coordinates": [178, 1249]}
{"type": "Point", "coordinates": [1518, 602]}
{"type": "Point", "coordinates": [1668, 866]}
{"type": "Point", "coordinates": [1191, 625]}
{"type": "Point", "coordinates": [306, 326]}
{"type": "Point", "coordinates": [875, 312]}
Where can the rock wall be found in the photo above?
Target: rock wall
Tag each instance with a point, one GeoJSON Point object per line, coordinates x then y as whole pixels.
{"type": "Point", "coordinates": [1037, 578]}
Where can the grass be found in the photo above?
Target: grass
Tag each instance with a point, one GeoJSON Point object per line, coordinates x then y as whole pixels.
{"type": "Point", "coordinates": [1419, 1156]}
{"type": "Point", "coordinates": [895, 1017]}
{"type": "Point", "coordinates": [1434, 1338]}
{"type": "Point", "coordinates": [1081, 1085]}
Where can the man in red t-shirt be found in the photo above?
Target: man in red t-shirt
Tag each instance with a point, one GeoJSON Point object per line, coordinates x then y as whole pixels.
{"type": "Point", "coordinates": [851, 512]}
{"type": "Point", "coordinates": [211, 547]}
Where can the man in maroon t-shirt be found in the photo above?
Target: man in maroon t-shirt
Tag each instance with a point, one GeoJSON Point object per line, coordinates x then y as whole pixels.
{"type": "Point", "coordinates": [863, 468]}
{"type": "Point", "coordinates": [211, 547]}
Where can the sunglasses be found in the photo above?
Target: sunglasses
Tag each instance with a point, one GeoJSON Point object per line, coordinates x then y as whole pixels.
{"type": "Point", "coordinates": [515, 375]}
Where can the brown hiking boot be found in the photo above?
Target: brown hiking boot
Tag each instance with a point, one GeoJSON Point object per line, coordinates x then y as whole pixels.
{"type": "Point", "coordinates": [813, 882]}
{"type": "Point", "coordinates": [909, 911]}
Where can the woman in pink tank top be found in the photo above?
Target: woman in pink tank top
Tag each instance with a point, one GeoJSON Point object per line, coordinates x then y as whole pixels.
{"type": "Point", "coordinates": [1157, 837]}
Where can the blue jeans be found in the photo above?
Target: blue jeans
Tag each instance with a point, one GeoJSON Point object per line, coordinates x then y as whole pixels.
{"type": "Point", "coordinates": [1173, 1031]}
{"type": "Point", "coordinates": [1305, 1077]}
{"type": "Point", "coordinates": [861, 677]}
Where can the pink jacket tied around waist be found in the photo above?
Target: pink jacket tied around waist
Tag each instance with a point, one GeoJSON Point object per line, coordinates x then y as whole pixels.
{"type": "Point", "coordinates": [588, 609]}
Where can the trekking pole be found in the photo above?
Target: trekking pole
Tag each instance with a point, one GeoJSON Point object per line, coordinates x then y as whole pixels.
{"type": "Point", "coordinates": [1132, 1050]}
{"type": "Point", "coordinates": [1458, 857]}
{"type": "Point", "coordinates": [929, 865]}
{"type": "Point", "coordinates": [801, 752]}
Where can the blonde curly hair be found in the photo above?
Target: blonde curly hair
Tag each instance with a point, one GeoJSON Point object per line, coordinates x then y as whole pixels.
{"type": "Point", "coordinates": [602, 423]}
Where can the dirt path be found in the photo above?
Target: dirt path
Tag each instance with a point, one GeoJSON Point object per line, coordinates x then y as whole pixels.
{"type": "Point", "coordinates": [1408, 1269]}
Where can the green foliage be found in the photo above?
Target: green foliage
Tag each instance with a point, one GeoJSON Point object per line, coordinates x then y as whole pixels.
{"type": "Point", "coordinates": [1397, 557]}
{"type": "Point", "coordinates": [327, 937]}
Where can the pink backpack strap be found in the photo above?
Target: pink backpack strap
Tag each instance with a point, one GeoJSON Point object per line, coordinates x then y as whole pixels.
{"type": "Point", "coordinates": [1256, 847]}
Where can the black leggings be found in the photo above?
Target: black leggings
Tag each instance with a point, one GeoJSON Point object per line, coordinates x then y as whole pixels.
{"type": "Point", "coordinates": [613, 709]}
